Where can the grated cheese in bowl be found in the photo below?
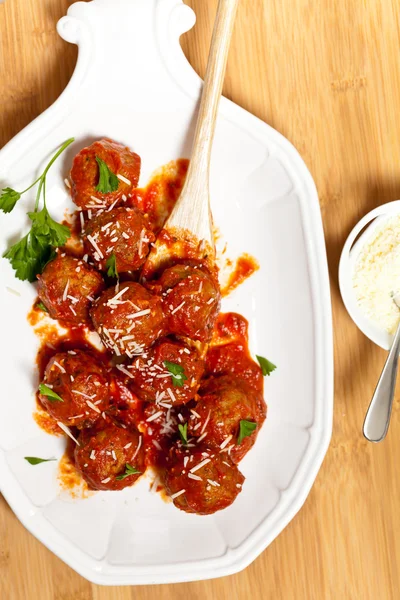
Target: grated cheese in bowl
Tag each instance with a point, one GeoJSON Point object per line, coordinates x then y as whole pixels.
{"type": "Point", "coordinates": [377, 275]}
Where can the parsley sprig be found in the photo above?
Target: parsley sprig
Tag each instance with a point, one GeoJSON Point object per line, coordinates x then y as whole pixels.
{"type": "Point", "coordinates": [10, 197]}
{"type": "Point", "coordinates": [108, 181]}
{"type": "Point", "coordinates": [48, 392]}
{"type": "Point", "coordinates": [111, 266]}
{"type": "Point", "coordinates": [183, 433]}
{"type": "Point", "coordinates": [267, 367]}
{"type": "Point", "coordinates": [177, 372]}
{"type": "Point", "coordinates": [129, 470]}
{"type": "Point", "coordinates": [246, 428]}
{"type": "Point", "coordinates": [34, 460]}
{"type": "Point", "coordinates": [29, 256]}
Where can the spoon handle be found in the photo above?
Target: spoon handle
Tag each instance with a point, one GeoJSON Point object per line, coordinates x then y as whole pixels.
{"type": "Point", "coordinates": [192, 211]}
{"type": "Point", "coordinates": [213, 81]}
{"type": "Point", "coordinates": [378, 415]}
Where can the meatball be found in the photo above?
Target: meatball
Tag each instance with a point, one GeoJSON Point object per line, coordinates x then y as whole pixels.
{"type": "Point", "coordinates": [191, 300]}
{"type": "Point", "coordinates": [126, 407]}
{"type": "Point", "coordinates": [67, 288]}
{"type": "Point", "coordinates": [85, 174]}
{"type": "Point", "coordinates": [201, 489]}
{"type": "Point", "coordinates": [122, 232]}
{"type": "Point", "coordinates": [82, 383]}
{"type": "Point", "coordinates": [229, 352]}
{"type": "Point", "coordinates": [224, 403]}
{"type": "Point", "coordinates": [231, 358]}
{"type": "Point", "coordinates": [111, 458]}
{"type": "Point", "coordinates": [128, 321]}
{"type": "Point", "coordinates": [161, 428]}
{"type": "Point", "coordinates": [168, 372]}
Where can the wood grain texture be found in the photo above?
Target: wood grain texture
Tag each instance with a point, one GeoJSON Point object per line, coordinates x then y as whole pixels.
{"type": "Point", "coordinates": [326, 75]}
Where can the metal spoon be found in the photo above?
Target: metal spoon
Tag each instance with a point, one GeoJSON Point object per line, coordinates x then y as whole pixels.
{"type": "Point", "coordinates": [377, 418]}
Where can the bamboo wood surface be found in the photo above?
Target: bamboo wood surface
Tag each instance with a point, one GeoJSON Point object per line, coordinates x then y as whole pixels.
{"type": "Point", "coordinates": [326, 75]}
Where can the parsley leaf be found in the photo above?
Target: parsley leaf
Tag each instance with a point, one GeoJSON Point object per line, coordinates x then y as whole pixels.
{"type": "Point", "coordinates": [183, 433]}
{"type": "Point", "coordinates": [129, 470]}
{"type": "Point", "coordinates": [42, 307]}
{"type": "Point", "coordinates": [108, 181]}
{"type": "Point", "coordinates": [266, 366]}
{"type": "Point", "coordinates": [52, 396]}
{"type": "Point", "coordinates": [246, 428]}
{"type": "Point", "coordinates": [29, 256]}
{"type": "Point", "coordinates": [8, 199]}
{"type": "Point", "coordinates": [25, 259]}
{"type": "Point", "coordinates": [45, 227]}
{"type": "Point", "coordinates": [177, 372]}
{"type": "Point", "coordinates": [111, 265]}
{"type": "Point", "coordinates": [33, 460]}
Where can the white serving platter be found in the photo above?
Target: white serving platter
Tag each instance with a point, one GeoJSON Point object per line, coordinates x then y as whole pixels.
{"type": "Point", "coordinates": [133, 83]}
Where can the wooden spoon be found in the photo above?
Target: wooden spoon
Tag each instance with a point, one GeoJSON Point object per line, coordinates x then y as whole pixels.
{"type": "Point", "coordinates": [188, 232]}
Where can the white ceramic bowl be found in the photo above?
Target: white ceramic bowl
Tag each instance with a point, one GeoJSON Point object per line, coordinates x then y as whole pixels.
{"type": "Point", "coordinates": [348, 260]}
{"type": "Point", "coordinates": [264, 202]}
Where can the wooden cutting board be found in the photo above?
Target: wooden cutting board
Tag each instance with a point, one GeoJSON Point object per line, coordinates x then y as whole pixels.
{"type": "Point", "coordinates": [326, 75]}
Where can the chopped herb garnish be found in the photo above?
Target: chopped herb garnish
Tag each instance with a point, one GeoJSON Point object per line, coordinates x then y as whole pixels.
{"type": "Point", "coordinates": [111, 265]}
{"type": "Point", "coordinates": [42, 307]}
{"type": "Point", "coordinates": [33, 460]}
{"type": "Point", "coordinates": [52, 396]}
{"type": "Point", "coordinates": [177, 372]}
{"type": "Point", "coordinates": [129, 470]}
{"type": "Point", "coordinates": [266, 366]}
{"type": "Point", "coordinates": [246, 428]}
{"type": "Point", "coordinates": [183, 433]}
{"type": "Point", "coordinates": [108, 181]}
{"type": "Point", "coordinates": [29, 256]}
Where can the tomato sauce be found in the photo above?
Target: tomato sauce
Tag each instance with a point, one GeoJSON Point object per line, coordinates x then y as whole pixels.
{"type": "Point", "coordinates": [45, 330]}
{"type": "Point", "coordinates": [242, 269]}
{"type": "Point", "coordinates": [46, 421]}
{"type": "Point", "coordinates": [158, 197]}
{"type": "Point", "coordinates": [69, 478]}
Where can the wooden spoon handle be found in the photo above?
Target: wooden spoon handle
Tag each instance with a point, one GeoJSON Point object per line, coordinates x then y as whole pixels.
{"type": "Point", "coordinates": [215, 73]}
{"type": "Point", "coordinates": [192, 214]}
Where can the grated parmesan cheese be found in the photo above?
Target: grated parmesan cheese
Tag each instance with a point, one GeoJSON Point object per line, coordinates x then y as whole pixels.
{"type": "Point", "coordinates": [124, 179]}
{"type": "Point", "coordinates": [377, 275]}
{"type": "Point", "coordinates": [12, 291]}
